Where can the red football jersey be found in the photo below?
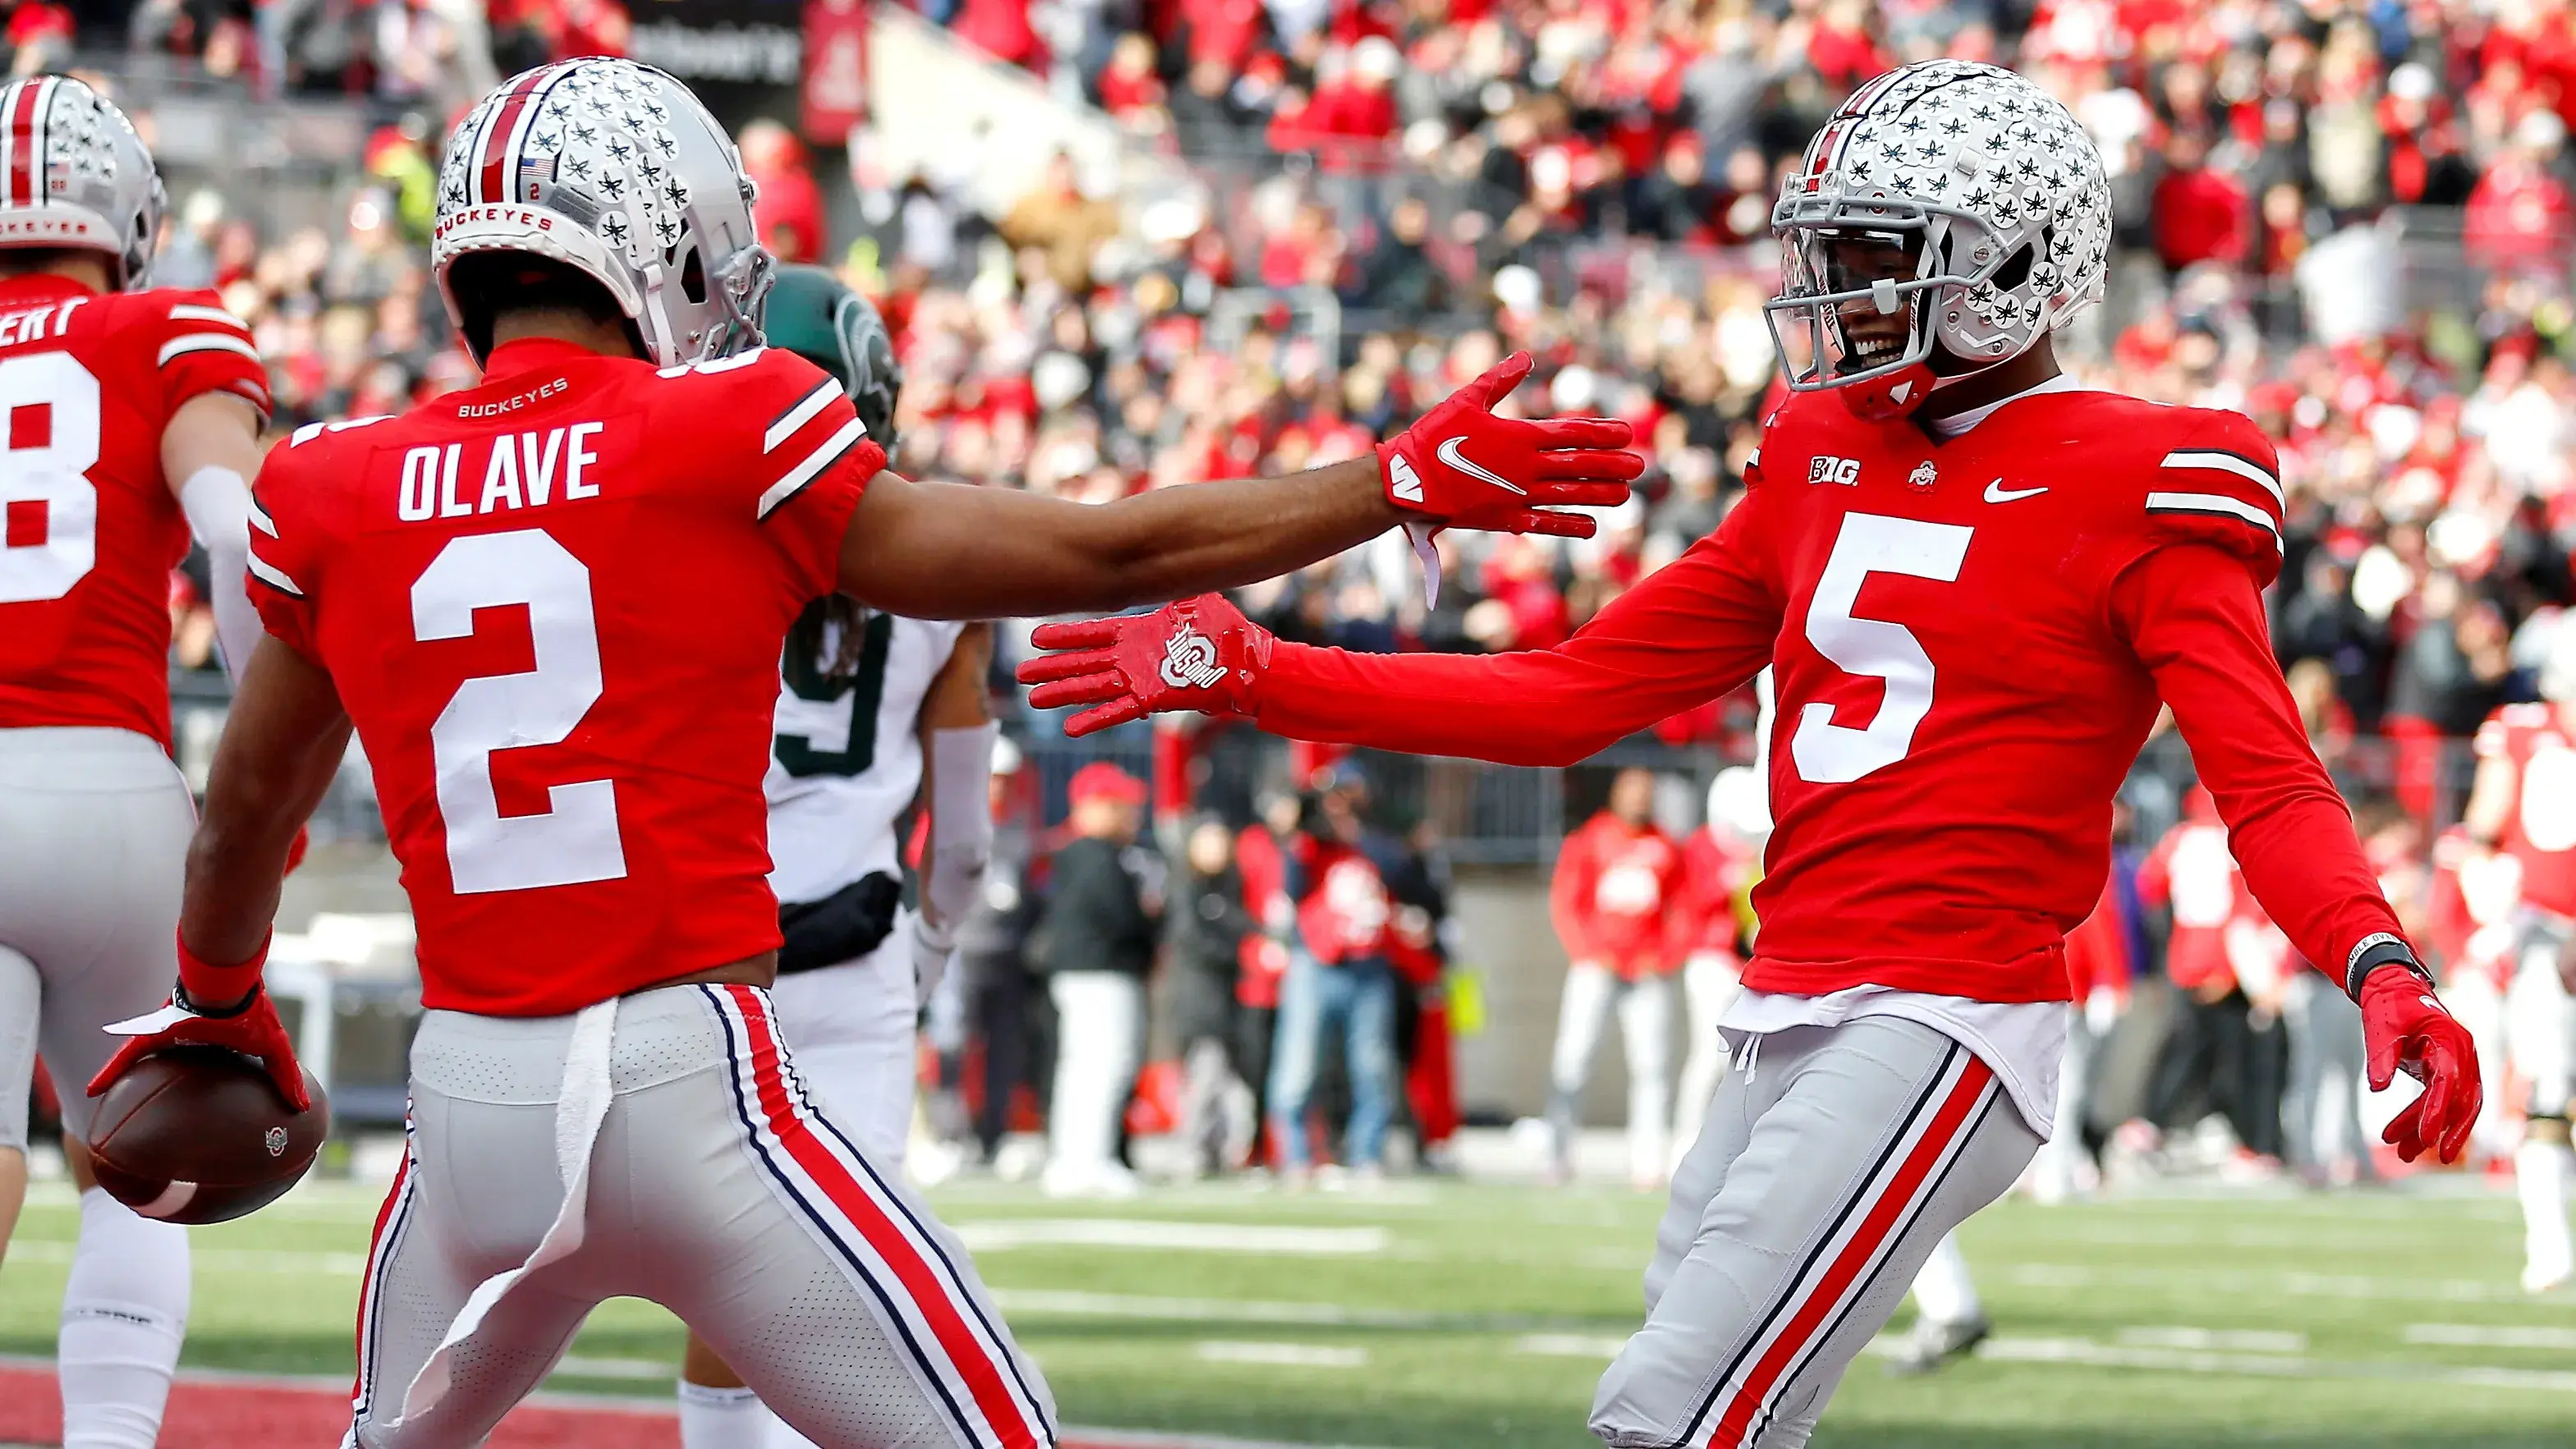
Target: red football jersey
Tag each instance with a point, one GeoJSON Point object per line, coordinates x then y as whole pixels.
{"type": "Point", "coordinates": [2191, 872]}
{"type": "Point", "coordinates": [1971, 638]}
{"type": "Point", "coordinates": [554, 606]}
{"type": "Point", "coordinates": [2541, 830]}
{"type": "Point", "coordinates": [1614, 889]}
{"type": "Point", "coordinates": [89, 530]}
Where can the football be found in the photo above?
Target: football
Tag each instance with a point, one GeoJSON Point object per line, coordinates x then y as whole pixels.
{"type": "Point", "coordinates": [198, 1135]}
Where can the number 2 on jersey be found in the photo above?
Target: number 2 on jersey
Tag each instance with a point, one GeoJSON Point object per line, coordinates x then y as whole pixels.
{"type": "Point", "coordinates": [48, 506]}
{"type": "Point", "coordinates": [576, 838]}
{"type": "Point", "coordinates": [1830, 754]}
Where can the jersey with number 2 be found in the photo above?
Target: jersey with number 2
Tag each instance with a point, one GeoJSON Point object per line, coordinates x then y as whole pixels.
{"type": "Point", "coordinates": [553, 606]}
{"type": "Point", "coordinates": [1971, 639]}
{"type": "Point", "coordinates": [89, 530]}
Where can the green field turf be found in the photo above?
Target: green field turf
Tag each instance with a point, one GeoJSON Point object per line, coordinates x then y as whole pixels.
{"type": "Point", "coordinates": [1445, 1315]}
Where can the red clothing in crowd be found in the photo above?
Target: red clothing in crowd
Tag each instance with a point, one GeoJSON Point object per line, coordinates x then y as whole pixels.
{"type": "Point", "coordinates": [2518, 214]}
{"type": "Point", "coordinates": [1717, 869]}
{"type": "Point", "coordinates": [2097, 952]}
{"type": "Point", "coordinates": [2192, 872]}
{"type": "Point", "coordinates": [2199, 217]}
{"type": "Point", "coordinates": [1344, 915]}
{"type": "Point", "coordinates": [1257, 860]}
{"type": "Point", "coordinates": [1615, 886]}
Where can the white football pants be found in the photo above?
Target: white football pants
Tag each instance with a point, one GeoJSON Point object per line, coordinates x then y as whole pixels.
{"type": "Point", "coordinates": [852, 1029]}
{"type": "Point", "coordinates": [662, 1146]}
{"type": "Point", "coordinates": [1833, 1159]}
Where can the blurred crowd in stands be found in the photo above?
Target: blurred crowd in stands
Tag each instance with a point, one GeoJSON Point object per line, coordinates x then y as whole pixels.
{"type": "Point", "coordinates": [2352, 220]}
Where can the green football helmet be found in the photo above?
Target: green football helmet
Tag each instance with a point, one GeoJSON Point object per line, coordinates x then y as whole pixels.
{"type": "Point", "coordinates": [814, 315]}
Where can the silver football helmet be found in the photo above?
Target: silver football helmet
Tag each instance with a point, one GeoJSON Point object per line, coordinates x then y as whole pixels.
{"type": "Point", "coordinates": [1992, 188]}
{"type": "Point", "coordinates": [73, 174]}
{"type": "Point", "coordinates": [612, 168]}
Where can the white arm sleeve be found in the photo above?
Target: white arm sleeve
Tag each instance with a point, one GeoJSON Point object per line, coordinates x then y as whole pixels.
{"type": "Point", "coordinates": [218, 506]}
{"type": "Point", "coordinates": [961, 823]}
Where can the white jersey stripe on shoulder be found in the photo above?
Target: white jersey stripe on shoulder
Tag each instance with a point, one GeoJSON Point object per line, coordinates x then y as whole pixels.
{"type": "Point", "coordinates": [259, 518]}
{"type": "Point", "coordinates": [178, 347]}
{"type": "Point", "coordinates": [271, 575]}
{"type": "Point", "coordinates": [190, 312]}
{"type": "Point", "coordinates": [2243, 467]}
{"type": "Point", "coordinates": [2215, 503]}
{"type": "Point", "coordinates": [798, 416]}
{"type": "Point", "coordinates": [831, 452]}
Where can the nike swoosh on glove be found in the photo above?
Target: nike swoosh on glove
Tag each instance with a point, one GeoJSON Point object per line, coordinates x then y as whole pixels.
{"type": "Point", "coordinates": [2406, 1028]}
{"type": "Point", "coordinates": [251, 1029]}
{"type": "Point", "coordinates": [1199, 654]}
{"type": "Point", "coordinates": [1462, 467]}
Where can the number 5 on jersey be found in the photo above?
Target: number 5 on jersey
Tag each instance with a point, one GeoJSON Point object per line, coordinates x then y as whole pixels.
{"type": "Point", "coordinates": [1830, 754]}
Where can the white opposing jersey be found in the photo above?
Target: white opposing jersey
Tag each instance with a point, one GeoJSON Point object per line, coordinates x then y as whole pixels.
{"type": "Point", "coordinates": [846, 760]}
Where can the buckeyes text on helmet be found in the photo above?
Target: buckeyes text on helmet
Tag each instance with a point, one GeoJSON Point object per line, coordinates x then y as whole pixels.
{"type": "Point", "coordinates": [73, 174]}
{"type": "Point", "coordinates": [616, 170]}
{"type": "Point", "coordinates": [1999, 199]}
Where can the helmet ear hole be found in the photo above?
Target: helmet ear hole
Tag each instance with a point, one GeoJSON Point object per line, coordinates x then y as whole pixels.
{"type": "Point", "coordinates": [2016, 269]}
{"type": "Point", "coordinates": [693, 277]}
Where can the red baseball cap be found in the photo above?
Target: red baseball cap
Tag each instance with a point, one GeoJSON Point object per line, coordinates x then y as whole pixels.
{"type": "Point", "coordinates": [1103, 780]}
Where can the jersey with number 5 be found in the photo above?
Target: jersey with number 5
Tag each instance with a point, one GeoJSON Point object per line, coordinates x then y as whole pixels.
{"type": "Point", "coordinates": [89, 530]}
{"type": "Point", "coordinates": [2540, 833]}
{"type": "Point", "coordinates": [553, 606]}
{"type": "Point", "coordinates": [1971, 638]}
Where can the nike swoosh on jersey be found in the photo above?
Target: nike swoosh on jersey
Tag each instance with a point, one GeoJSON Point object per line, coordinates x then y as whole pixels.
{"type": "Point", "coordinates": [1448, 453]}
{"type": "Point", "coordinates": [1996, 492]}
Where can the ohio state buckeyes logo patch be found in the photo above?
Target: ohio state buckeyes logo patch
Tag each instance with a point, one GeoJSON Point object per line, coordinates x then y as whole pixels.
{"type": "Point", "coordinates": [1189, 660]}
{"type": "Point", "coordinates": [276, 1140]}
{"type": "Point", "coordinates": [1923, 476]}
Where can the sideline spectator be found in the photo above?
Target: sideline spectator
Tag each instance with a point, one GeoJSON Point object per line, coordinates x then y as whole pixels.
{"type": "Point", "coordinates": [1618, 879]}
{"type": "Point", "coordinates": [1209, 924]}
{"type": "Point", "coordinates": [1095, 945]}
{"type": "Point", "coordinates": [1338, 979]}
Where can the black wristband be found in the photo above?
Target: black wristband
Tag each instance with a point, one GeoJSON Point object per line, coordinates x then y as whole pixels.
{"type": "Point", "coordinates": [2374, 952]}
{"type": "Point", "coordinates": [179, 994]}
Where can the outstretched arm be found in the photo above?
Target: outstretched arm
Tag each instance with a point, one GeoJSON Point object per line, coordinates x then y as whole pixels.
{"type": "Point", "coordinates": [1692, 631]}
{"type": "Point", "coordinates": [2194, 619]}
{"type": "Point", "coordinates": [943, 551]}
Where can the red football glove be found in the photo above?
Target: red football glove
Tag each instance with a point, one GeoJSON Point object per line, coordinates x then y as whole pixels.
{"type": "Point", "coordinates": [251, 1027]}
{"type": "Point", "coordinates": [1462, 467]}
{"type": "Point", "coordinates": [1199, 654]}
{"type": "Point", "coordinates": [2405, 1028]}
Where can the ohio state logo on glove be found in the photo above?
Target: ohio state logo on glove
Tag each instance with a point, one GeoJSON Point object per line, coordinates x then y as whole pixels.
{"type": "Point", "coordinates": [1199, 654]}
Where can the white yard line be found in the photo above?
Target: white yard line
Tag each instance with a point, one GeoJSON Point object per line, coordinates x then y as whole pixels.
{"type": "Point", "coordinates": [2487, 1335]}
{"type": "Point", "coordinates": [2209, 1282]}
{"type": "Point", "coordinates": [1570, 1345]}
{"type": "Point", "coordinates": [996, 1235]}
{"type": "Point", "coordinates": [1282, 1355]}
{"type": "Point", "coordinates": [2262, 1365]}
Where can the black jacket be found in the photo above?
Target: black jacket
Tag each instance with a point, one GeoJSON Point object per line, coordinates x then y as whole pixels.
{"type": "Point", "coordinates": [1100, 912]}
{"type": "Point", "coordinates": [1208, 922]}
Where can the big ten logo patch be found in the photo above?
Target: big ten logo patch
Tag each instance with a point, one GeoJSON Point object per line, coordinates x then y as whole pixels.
{"type": "Point", "coordinates": [1828, 469]}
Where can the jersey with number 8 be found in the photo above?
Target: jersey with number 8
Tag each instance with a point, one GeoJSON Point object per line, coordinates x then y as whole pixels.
{"type": "Point", "coordinates": [89, 530]}
{"type": "Point", "coordinates": [1971, 638]}
{"type": "Point", "coordinates": [553, 607]}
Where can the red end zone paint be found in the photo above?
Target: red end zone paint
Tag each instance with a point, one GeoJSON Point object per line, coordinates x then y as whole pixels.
{"type": "Point", "coordinates": [253, 1414]}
